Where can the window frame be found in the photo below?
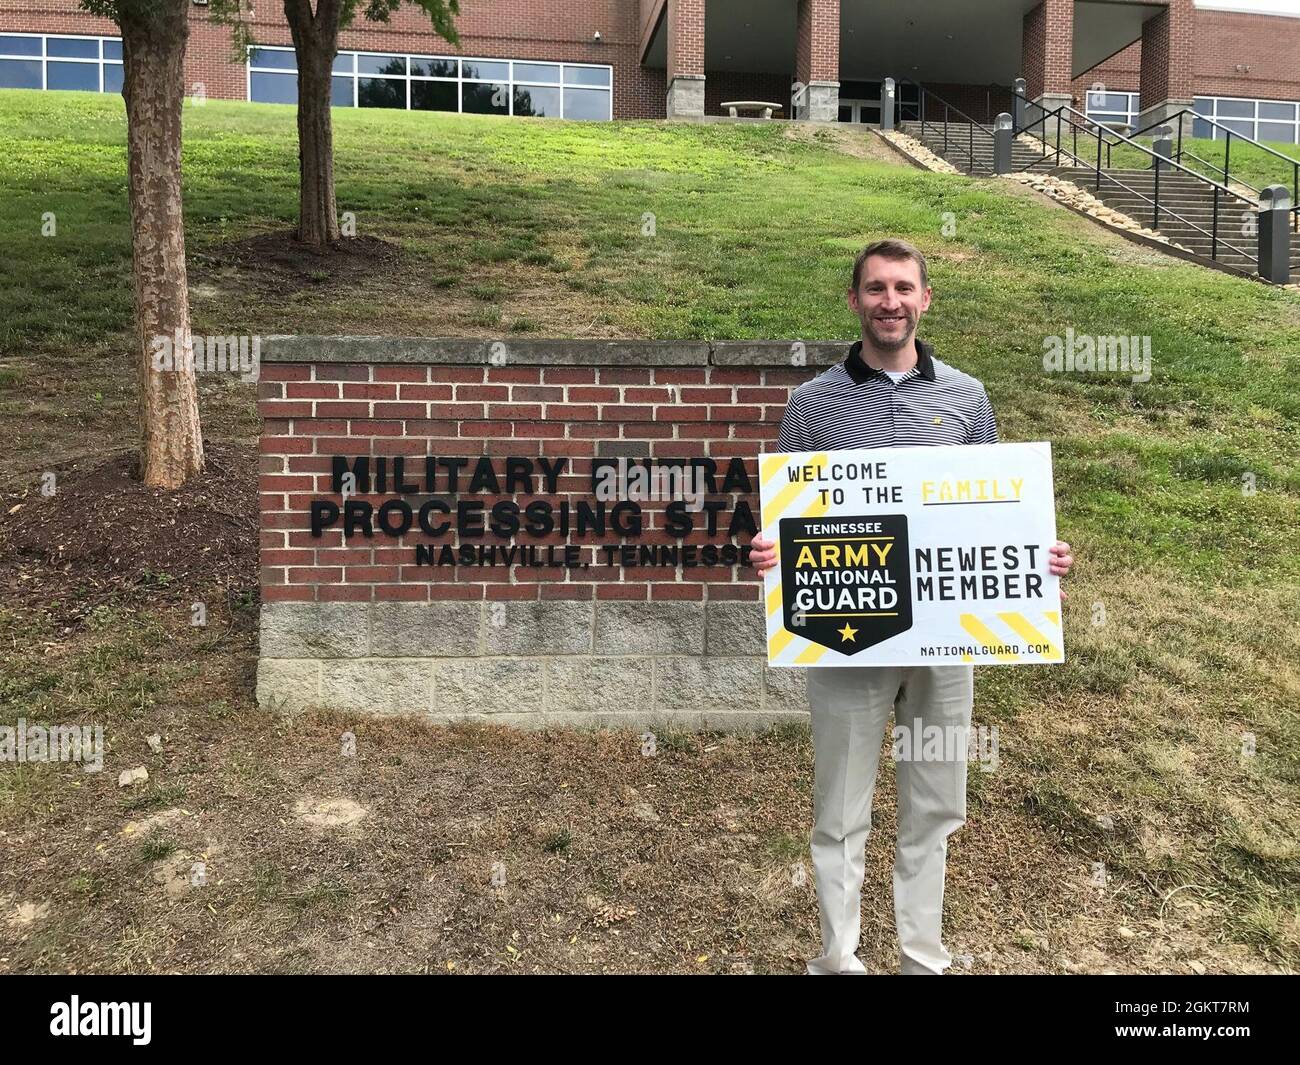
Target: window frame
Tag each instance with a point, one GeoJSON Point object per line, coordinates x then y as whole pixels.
{"type": "Point", "coordinates": [1254, 119]}
{"type": "Point", "coordinates": [1108, 116]}
{"type": "Point", "coordinates": [45, 59]}
{"type": "Point", "coordinates": [459, 80]}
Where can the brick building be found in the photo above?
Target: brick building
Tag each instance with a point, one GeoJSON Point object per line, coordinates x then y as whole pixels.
{"type": "Point", "coordinates": [1128, 62]}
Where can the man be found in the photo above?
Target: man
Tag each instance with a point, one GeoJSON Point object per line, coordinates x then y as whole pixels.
{"type": "Point", "coordinates": [889, 392]}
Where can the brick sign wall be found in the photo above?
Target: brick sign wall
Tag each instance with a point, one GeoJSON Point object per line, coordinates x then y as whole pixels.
{"type": "Point", "coordinates": [432, 537]}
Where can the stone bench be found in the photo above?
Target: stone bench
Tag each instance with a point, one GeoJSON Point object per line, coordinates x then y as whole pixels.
{"type": "Point", "coordinates": [766, 108]}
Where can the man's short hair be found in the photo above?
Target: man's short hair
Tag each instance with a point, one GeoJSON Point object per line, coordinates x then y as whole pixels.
{"type": "Point", "coordinates": [895, 250]}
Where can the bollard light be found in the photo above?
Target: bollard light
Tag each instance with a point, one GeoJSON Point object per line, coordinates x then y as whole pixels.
{"type": "Point", "coordinates": [1003, 135]}
{"type": "Point", "coordinates": [1275, 234]}
{"type": "Point", "coordinates": [1275, 198]}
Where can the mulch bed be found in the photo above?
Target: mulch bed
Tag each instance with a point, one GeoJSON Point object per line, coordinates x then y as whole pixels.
{"type": "Point", "coordinates": [281, 262]}
{"type": "Point", "coordinates": [104, 537]}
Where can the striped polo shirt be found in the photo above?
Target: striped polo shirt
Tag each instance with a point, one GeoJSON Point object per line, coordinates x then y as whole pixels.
{"type": "Point", "coordinates": [852, 405]}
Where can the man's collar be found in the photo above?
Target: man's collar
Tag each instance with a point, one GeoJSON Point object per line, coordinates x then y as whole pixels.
{"type": "Point", "coordinates": [860, 371]}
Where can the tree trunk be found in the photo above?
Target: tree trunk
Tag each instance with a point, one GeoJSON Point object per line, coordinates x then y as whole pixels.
{"type": "Point", "coordinates": [153, 53]}
{"type": "Point", "coordinates": [315, 43]}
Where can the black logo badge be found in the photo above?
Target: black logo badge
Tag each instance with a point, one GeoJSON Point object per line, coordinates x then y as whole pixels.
{"type": "Point", "coordinates": [847, 581]}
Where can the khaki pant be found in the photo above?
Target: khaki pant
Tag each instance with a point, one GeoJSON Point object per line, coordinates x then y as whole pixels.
{"type": "Point", "coordinates": [850, 708]}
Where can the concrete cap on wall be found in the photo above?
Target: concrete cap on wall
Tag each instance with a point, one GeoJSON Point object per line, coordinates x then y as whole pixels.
{"type": "Point", "coordinates": [462, 351]}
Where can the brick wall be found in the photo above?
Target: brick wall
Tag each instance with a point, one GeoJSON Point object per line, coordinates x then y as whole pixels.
{"type": "Point", "coordinates": [1046, 47]}
{"type": "Point", "coordinates": [1222, 41]}
{"type": "Point", "coordinates": [1269, 46]}
{"type": "Point", "coordinates": [355, 622]}
{"type": "Point", "coordinates": [685, 37]}
{"type": "Point", "coordinates": [1120, 73]}
{"type": "Point", "coordinates": [817, 41]}
{"type": "Point", "coordinates": [1168, 55]}
{"type": "Point", "coordinates": [980, 102]}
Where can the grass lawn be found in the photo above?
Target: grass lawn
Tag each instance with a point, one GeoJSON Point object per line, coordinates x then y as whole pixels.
{"type": "Point", "coordinates": [1181, 495]}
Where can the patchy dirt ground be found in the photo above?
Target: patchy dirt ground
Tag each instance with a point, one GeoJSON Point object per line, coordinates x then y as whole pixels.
{"type": "Point", "coordinates": [478, 849]}
{"type": "Point", "coordinates": [264, 843]}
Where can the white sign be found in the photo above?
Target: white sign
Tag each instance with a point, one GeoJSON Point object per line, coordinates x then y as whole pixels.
{"type": "Point", "coordinates": [911, 556]}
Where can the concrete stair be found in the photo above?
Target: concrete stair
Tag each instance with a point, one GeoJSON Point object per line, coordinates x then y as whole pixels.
{"type": "Point", "coordinates": [959, 147]}
{"type": "Point", "coordinates": [1186, 208]}
{"type": "Point", "coordinates": [1186, 204]}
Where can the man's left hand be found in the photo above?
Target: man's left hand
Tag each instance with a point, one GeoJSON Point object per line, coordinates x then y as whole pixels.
{"type": "Point", "coordinates": [1059, 561]}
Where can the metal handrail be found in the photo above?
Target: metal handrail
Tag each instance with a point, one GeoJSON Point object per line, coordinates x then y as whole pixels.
{"type": "Point", "coordinates": [1227, 155]}
{"type": "Point", "coordinates": [1074, 130]}
{"type": "Point", "coordinates": [1217, 125]}
{"type": "Point", "coordinates": [1088, 123]}
{"type": "Point", "coordinates": [1213, 233]}
{"type": "Point", "coordinates": [1143, 149]}
{"type": "Point", "coordinates": [922, 93]}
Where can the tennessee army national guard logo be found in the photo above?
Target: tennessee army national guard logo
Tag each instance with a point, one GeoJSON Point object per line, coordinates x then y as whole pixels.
{"type": "Point", "coordinates": [846, 581]}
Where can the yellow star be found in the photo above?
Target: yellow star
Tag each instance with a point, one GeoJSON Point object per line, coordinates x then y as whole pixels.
{"type": "Point", "coordinates": [848, 632]}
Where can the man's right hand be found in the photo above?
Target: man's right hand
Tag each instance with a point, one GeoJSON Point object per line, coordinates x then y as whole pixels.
{"type": "Point", "coordinates": [762, 553]}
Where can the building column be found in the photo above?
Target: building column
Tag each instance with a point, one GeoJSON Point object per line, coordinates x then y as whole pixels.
{"type": "Point", "coordinates": [1047, 55]}
{"type": "Point", "coordinates": [816, 94]}
{"type": "Point", "coordinates": [1167, 70]}
{"type": "Point", "coordinates": [685, 58]}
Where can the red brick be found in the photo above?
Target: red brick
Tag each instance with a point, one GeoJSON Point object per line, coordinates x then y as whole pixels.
{"type": "Point", "coordinates": [455, 374]}
{"type": "Point", "coordinates": [482, 392]}
{"type": "Point", "coordinates": [526, 375]}
{"type": "Point", "coordinates": [514, 410]}
{"type": "Point", "coordinates": [313, 390]}
{"type": "Point", "coordinates": [326, 409]}
{"type": "Point", "coordinates": [569, 375]}
{"type": "Point", "coordinates": [417, 374]}
{"type": "Point", "coordinates": [619, 375]}
{"type": "Point", "coordinates": [369, 391]}
{"type": "Point", "coordinates": [427, 392]}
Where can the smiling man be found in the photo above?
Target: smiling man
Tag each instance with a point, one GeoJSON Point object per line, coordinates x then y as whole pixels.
{"type": "Point", "coordinates": [890, 391]}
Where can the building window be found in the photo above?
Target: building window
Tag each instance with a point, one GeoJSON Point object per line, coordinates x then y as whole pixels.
{"type": "Point", "coordinates": [1114, 109]}
{"type": "Point", "coordinates": [50, 61]}
{"type": "Point", "coordinates": [443, 83]}
{"type": "Point", "coordinates": [1261, 120]}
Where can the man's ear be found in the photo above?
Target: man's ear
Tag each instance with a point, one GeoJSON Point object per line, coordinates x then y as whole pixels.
{"type": "Point", "coordinates": [925, 305]}
{"type": "Point", "coordinates": [852, 298]}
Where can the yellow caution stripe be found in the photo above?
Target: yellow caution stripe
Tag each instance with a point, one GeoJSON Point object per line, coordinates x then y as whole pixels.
{"type": "Point", "coordinates": [986, 636]}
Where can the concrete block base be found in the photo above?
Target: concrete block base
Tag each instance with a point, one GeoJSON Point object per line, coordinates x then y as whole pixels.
{"type": "Point", "coordinates": [530, 664]}
{"type": "Point", "coordinates": [820, 102]}
{"type": "Point", "coordinates": [686, 96]}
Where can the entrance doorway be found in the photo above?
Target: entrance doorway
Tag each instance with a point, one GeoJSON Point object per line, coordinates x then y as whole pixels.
{"type": "Point", "coordinates": [860, 102]}
{"type": "Point", "coordinates": [860, 111]}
